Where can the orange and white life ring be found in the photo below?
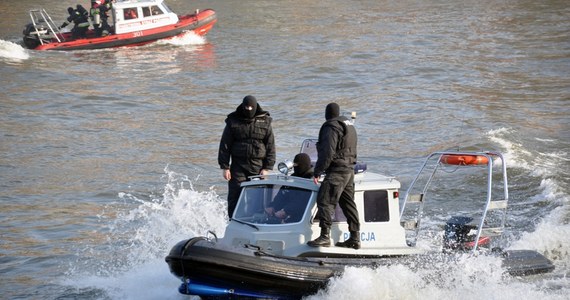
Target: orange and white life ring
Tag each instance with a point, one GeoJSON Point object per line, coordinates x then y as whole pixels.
{"type": "Point", "coordinates": [464, 160]}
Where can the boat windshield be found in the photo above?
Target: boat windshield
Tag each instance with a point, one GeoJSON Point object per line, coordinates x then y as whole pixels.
{"type": "Point", "coordinates": [272, 204]}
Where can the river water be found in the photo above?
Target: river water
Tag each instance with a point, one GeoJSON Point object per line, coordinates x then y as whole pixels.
{"type": "Point", "coordinates": [108, 158]}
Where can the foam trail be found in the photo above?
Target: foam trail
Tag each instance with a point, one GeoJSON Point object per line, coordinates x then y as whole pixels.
{"type": "Point", "coordinates": [514, 153]}
{"type": "Point", "coordinates": [133, 266]}
{"type": "Point", "coordinates": [438, 280]}
{"type": "Point", "coordinates": [551, 235]}
{"type": "Point", "coordinates": [189, 38]}
{"type": "Point", "coordinates": [12, 51]}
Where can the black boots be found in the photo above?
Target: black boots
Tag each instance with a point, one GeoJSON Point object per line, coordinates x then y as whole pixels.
{"type": "Point", "coordinates": [324, 240]}
{"type": "Point", "coordinates": [352, 242]}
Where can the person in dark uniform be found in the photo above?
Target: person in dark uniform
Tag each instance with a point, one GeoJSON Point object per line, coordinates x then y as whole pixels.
{"type": "Point", "coordinates": [247, 147]}
{"type": "Point", "coordinates": [291, 207]}
{"type": "Point", "coordinates": [80, 21]}
{"type": "Point", "coordinates": [82, 11]}
{"type": "Point", "coordinates": [336, 150]}
{"type": "Point", "coordinates": [302, 166]}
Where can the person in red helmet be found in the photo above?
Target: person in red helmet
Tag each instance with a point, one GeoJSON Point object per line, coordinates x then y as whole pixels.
{"type": "Point", "coordinates": [99, 16]}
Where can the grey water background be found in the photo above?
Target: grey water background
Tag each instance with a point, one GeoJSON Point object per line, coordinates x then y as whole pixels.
{"type": "Point", "coordinates": [108, 158]}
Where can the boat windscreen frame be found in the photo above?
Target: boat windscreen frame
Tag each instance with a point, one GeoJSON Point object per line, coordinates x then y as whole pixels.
{"type": "Point", "coordinates": [259, 203]}
{"type": "Point", "coordinates": [165, 7]}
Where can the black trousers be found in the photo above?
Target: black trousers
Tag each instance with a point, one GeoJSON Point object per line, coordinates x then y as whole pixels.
{"type": "Point", "coordinates": [79, 32]}
{"type": "Point", "coordinates": [239, 175]}
{"type": "Point", "coordinates": [234, 190]}
{"type": "Point", "coordinates": [337, 188]}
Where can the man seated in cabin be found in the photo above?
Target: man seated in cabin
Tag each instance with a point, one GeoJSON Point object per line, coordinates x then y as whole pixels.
{"type": "Point", "coordinates": [151, 11]}
{"type": "Point", "coordinates": [287, 205]}
{"type": "Point", "coordinates": [156, 10]}
{"type": "Point", "coordinates": [130, 13]}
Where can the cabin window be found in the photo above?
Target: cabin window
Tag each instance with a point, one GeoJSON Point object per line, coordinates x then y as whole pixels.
{"type": "Point", "coordinates": [152, 11]}
{"type": "Point", "coordinates": [155, 10]}
{"type": "Point", "coordinates": [309, 147]}
{"type": "Point", "coordinates": [146, 12]}
{"type": "Point", "coordinates": [261, 204]}
{"type": "Point", "coordinates": [130, 13]}
{"type": "Point", "coordinates": [376, 206]}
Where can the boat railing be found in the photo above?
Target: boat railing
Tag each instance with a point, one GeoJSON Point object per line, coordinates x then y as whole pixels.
{"type": "Point", "coordinates": [44, 35]}
{"type": "Point", "coordinates": [411, 209]}
{"type": "Point", "coordinates": [277, 178]}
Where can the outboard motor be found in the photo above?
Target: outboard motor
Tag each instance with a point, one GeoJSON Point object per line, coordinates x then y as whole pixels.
{"type": "Point", "coordinates": [456, 236]}
{"type": "Point", "coordinates": [33, 34]}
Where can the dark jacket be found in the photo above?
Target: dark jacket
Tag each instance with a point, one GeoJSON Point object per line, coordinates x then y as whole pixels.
{"type": "Point", "coordinates": [292, 206]}
{"type": "Point", "coordinates": [336, 146]}
{"type": "Point", "coordinates": [248, 143]}
{"type": "Point", "coordinates": [76, 17]}
{"type": "Point", "coordinates": [307, 174]}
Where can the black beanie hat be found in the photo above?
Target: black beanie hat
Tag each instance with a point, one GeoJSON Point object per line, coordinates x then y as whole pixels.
{"type": "Point", "coordinates": [332, 111]}
{"type": "Point", "coordinates": [249, 100]}
{"type": "Point", "coordinates": [301, 164]}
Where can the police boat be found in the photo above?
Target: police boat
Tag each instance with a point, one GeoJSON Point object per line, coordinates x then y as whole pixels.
{"type": "Point", "coordinates": [261, 256]}
{"type": "Point", "coordinates": [131, 23]}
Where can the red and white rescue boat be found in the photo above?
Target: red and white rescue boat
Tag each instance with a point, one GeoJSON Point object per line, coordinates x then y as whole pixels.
{"type": "Point", "coordinates": [132, 23]}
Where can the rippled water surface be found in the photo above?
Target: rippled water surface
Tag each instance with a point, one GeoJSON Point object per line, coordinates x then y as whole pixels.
{"type": "Point", "coordinates": [109, 157]}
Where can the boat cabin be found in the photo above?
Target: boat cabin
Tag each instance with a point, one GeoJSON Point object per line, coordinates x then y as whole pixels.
{"type": "Point", "coordinates": [376, 197]}
{"type": "Point", "coordinates": [136, 15]}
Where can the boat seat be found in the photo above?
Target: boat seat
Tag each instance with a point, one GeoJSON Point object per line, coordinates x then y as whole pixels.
{"type": "Point", "coordinates": [415, 198]}
{"type": "Point", "coordinates": [492, 231]}
{"type": "Point", "coordinates": [498, 204]}
{"type": "Point", "coordinates": [409, 225]}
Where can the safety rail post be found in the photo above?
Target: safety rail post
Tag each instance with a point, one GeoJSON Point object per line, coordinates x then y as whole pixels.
{"type": "Point", "coordinates": [492, 204]}
{"type": "Point", "coordinates": [51, 24]}
{"type": "Point", "coordinates": [41, 15]}
{"type": "Point", "coordinates": [488, 203]}
{"type": "Point", "coordinates": [412, 223]}
{"type": "Point", "coordinates": [32, 13]}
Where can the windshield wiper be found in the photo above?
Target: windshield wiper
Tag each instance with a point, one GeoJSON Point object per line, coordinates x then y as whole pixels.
{"type": "Point", "coordinates": [245, 223]}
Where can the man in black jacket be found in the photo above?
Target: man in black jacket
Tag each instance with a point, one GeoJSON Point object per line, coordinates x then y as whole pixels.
{"type": "Point", "coordinates": [247, 147]}
{"type": "Point", "coordinates": [80, 21]}
{"type": "Point", "coordinates": [336, 150]}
